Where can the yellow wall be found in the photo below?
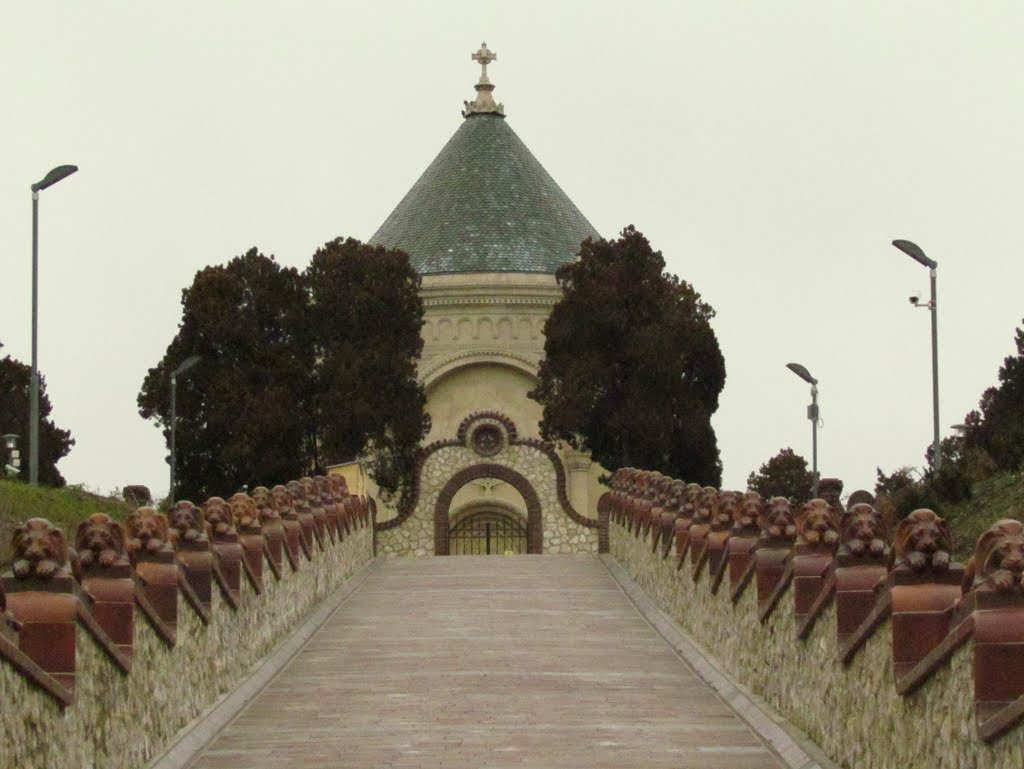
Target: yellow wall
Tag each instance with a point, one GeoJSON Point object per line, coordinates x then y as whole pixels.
{"type": "Point", "coordinates": [481, 387]}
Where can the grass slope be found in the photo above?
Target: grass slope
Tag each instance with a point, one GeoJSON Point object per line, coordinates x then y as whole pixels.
{"type": "Point", "coordinates": [1000, 496]}
{"type": "Point", "coordinates": [64, 508]}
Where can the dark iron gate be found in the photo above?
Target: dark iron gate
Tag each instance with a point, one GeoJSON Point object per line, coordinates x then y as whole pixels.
{"type": "Point", "coordinates": [487, 533]}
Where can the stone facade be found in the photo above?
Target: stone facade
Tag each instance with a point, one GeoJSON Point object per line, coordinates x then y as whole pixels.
{"type": "Point", "coordinates": [121, 720]}
{"type": "Point", "coordinates": [560, 533]}
{"type": "Point", "coordinates": [852, 711]}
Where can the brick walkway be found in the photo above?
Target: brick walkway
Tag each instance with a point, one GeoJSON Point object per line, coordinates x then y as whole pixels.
{"type": "Point", "coordinates": [525, 661]}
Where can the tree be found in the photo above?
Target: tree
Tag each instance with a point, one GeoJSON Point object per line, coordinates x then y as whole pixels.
{"type": "Point", "coordinates": [632, 368]}
{"type": "Point", "coordinates": [243, 412]}
{"type": "Point", "coordinates": [54, 443]}
{"type": "Point", "coordinates": [366, 315]}
{"type": "Point", "coordinates": [784, 475]}
{"type": "Point", "coordinates": [997, 426]}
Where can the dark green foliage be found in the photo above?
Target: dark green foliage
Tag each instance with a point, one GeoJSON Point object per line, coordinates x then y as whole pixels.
{"type": "Point", "coordinates": [997, 427]}
{"type": "Point", "coordinates": [54, 443]}
{"type": "Point", "coordinates": [632, 368]}
{"type": "Point", "coordinates": [784, 475]}
{"type": "Point", "coordinates": [297, 371]}
{"type": "Point", "coordinates": [243, 414]}
{"type": "Point", "coordinates": [366, 314]}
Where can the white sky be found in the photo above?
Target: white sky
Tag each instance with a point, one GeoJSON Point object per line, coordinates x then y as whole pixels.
{"type": "Point", "coordinates": [771, 151]}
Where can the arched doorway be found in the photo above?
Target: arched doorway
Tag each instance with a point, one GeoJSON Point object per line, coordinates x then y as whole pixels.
{"type": "Point", "coordinates": [487, 532]}
{"type": "Point", "coordinates": [442, 508]}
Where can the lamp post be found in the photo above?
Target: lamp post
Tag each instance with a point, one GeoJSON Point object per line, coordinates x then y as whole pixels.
{"type": "Point", "coordinates": [58, 173]}
{"type": "Point", "coordinates": [186, 364]}
{"type": "Point", "coordinates": [13, 465]}
{"type": "Point", "coordinates": [812, 414]}
{"type": "Point", "coordinates": [914, 252]}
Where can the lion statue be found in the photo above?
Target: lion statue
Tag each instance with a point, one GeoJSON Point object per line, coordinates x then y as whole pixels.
{"type": "Point", "coordinates": [40, 550]}
{"type": "Point", "coordinates": [746, 514]}
{"type": "Point", "coordinates": [283, 501]}
{"type": "Point", "coordinates": [148, 531]}
{"type": "Point", "coordinates": [817, 524]}
{"type": "Point", "coordinates": [863, 532]}
{"type": "Point", "coordinates": [100, 541]}
{"type": "Point", "coordinates": [265, 505]}
{"type": "Point", "coordinates": [998, 560]}
{"type": "Point", "coordinates": [218, 516]}
{"type": "Point", "coordinates": [923, 541]}
{"type": "Point", "coordinates": [244, 513]}
{"type": "Point", "coordinates": [776, 521]}
{"type": "Point", "coordinates": [187, 522]}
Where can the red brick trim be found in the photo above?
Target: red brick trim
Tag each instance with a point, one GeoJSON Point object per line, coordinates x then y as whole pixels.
{"type": "Point", "coordinates": [534, 525]}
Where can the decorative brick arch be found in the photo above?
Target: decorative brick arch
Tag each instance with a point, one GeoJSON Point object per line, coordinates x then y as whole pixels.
{"type": "Point", "coordinates": [534, 525]}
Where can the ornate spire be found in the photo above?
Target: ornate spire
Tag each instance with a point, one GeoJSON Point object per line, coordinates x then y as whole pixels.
{"type": "Point", "coordinates": [484, 102]}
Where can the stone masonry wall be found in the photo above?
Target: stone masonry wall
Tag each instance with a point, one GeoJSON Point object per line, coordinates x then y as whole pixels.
{"type": "Point", "coordinates": [120, 720]}
{"type": "Point", "coordinates": [852, 711]}
{"type": "Point", "coordinates": [415, 536]}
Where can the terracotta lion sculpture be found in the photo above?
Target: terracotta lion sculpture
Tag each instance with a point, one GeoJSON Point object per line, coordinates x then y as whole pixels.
{"type": "Point", "coordinates": [218, 516]}
{"type": "Point", "coordinates": [923, 541]}
{"type": "Point", "coordinates": [265, 505]}
{"type": "Point", "coordinates": [100, 541]}
{"type": "Point", "coordinates": [747, 513]}
{"type": "Point", "coordinates": [283, 501]}
{"type": "Point", "coordinates": [244, 512]}
{"type": "Point", "coordinates": [817, 524]}
{"type": "Point", "coordinates": [40, 550]}
{"type": "Point", "coordinates": [863, 532]}
{"type": "Point", "coordinates": [776, 520]}
{"type": "Point", "coordinates": [187, 522]}
{"type": "Point", "coordinates": [998, 560]}
{"type": "Point", "coordinates": [148, 531]}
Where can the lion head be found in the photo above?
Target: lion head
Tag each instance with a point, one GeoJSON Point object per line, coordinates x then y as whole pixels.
{"type": "Point", "coordinates": [817, 524]}
{"type": "Point", "coordinates": [323, 488]}
{"type": "Point", "coordinates": [727, 508]}
{"type": "Point", "coordinates": [283, 501]}
{"type": "Point", "coordinates": [265, 505]}
{"type": "Point", "coordinates": [922, 541]}
{"type": "Point", "coordinates": [40, 550]}
{"type": "Point", "coordinates": [148, 530]}
{"type": "Point", "coordinates": [747, 513]}
{"type": "Point", "coordinates": [776, 520]}
{"type": "Point", "coordinates": [100, 540]}
{"type": "Point", "coordinates": [244, 514]}
{"type": "Point", "coordinates": [300, 501]}
{"type": "Point", "coordinates": [863, 532]}
{"type": "Point", "coordinates": [187, 522]}
{"type": "Point", "coordinates": [218, 516]}
{"type": "Point", "coordinates": [998, 560]}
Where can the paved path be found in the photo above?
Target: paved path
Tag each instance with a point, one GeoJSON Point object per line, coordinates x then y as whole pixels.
{"type": "Point", "coordinates": [476, 661]}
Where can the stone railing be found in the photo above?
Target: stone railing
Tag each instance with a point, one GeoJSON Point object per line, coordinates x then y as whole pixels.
{"type": "Point", "coordinates": [109, 648]}
{"type": "Point", "coordinates": [882, 649]}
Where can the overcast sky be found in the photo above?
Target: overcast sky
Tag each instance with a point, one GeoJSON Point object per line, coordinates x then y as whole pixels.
{"type": "Point", "coordinates": [771, 151]}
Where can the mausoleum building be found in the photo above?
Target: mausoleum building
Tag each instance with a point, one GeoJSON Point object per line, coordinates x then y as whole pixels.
{"type": "Point", "coordinates": [486, 227]}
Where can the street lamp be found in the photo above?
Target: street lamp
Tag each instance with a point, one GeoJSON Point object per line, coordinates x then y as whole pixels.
{"type": "Point", "coordinates": [186, 364]}
{"type": "Point", "coordinates": [812, 414]}
{"type": "Point", "coordinates": [914, 252]}
{"type": "Point", "coordinates": [13, 466]}
{"type": "Point", "coordinates": [58, 173]}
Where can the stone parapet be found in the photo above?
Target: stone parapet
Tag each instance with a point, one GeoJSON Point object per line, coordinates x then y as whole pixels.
{"type": "Point", "coordinates": [103, 668]}
{"type": "Point", "coordinates": [924, 673]}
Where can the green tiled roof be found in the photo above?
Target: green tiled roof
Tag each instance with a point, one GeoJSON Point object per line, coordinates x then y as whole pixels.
{"type": "Point", "coordinates": [485, 205]}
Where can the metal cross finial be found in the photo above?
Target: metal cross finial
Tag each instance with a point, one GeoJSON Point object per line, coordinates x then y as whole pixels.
{"type": "Point", "coordinates": [485, 56]}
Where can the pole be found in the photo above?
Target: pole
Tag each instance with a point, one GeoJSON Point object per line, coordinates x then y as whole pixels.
{"type": "Point", "coordinates": [174, 385]}
{"type": "Point", "coordinates": [33, 414]}
{"type": "Point", "coordinates": [936, 453]}
{"type": "Point", "coordinates": [814, 440]}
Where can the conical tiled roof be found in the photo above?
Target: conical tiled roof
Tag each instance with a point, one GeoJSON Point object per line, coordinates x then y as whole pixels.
{"type": "Point", "coordinates": [485, 205]}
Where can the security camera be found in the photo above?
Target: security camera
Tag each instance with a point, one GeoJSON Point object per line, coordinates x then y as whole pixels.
{"type": "Point", "coordinates": [914, 299]}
